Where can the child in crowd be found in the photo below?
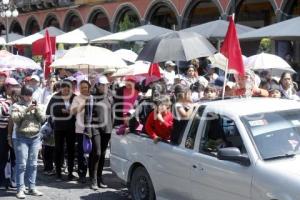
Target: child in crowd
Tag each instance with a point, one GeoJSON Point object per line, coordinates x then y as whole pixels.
{"type": "Point", "coordinates": [160, 121]}
{"type": "Point", "coordinates": [210, 93]}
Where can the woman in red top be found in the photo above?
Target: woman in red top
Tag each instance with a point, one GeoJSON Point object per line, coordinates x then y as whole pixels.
{"type": "Point", "coordinates": [160, 121]}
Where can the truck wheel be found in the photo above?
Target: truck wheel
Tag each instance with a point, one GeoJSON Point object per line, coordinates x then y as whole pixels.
{"type": "Point", "coordinates": [141, 187]}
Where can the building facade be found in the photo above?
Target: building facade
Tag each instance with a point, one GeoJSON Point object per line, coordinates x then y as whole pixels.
{"type": "Point", "coordinates": [67, 15]}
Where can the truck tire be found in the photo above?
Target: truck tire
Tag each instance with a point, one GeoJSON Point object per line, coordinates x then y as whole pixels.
{"type": "Point", "coordinates": [141, 187]}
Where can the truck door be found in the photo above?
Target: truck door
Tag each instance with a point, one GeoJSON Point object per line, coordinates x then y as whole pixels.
{"type": "Point", "coordinates": [172, 164]}
{"type": "Point", "coordinates": [211, 178]}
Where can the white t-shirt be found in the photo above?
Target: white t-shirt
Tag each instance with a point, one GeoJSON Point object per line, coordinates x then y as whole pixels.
{"type": "Point", "coordinates": [78, 101]}
{"type": "Point", "coordinates": [37, 95]}
{"type": "Point", "coordinates": [169, 77]}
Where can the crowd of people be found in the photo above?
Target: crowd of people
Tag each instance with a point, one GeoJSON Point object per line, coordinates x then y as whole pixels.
{"type": "Point", "coordinates": [70, 118]}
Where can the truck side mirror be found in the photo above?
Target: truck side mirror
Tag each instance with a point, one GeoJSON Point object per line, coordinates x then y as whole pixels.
{"type": "Point", "coordinates": [233, 154]}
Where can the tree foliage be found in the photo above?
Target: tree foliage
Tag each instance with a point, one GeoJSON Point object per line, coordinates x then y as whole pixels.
{"type": "Point", "coordinates": [265, 45]}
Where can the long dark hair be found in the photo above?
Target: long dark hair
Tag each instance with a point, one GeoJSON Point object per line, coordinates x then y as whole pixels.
{"type": "Point", "coordinates": [283, 75]}
{"type": "Point", "coordinates": [26, 91]}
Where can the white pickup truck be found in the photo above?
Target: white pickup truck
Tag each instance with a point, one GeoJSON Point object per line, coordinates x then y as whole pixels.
{"type": "Point", "coordinates": [236, 149]}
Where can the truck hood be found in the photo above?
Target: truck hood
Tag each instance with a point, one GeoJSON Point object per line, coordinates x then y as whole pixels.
{"type": "Point", "coordinates": [285, 165]}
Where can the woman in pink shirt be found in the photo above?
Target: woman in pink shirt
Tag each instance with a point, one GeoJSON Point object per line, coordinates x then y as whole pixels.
{"type": "Point", "coordinates": [125, 99]}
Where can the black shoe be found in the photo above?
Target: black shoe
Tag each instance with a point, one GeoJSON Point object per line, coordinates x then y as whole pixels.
{"type": "Point", "coordinates": [59, 178]}
{"type": "Point", "coordinates": [94, 185]}
{"type": "Point", "coordinates": [71, 177]}
{"type": "Point", "coordinates": [102, 185]}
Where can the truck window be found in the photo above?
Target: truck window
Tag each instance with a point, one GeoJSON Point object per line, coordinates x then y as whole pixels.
{"type": "Point", "coordinates": [220, 132]}
{"type": "Point", "coordinates": [190, 139]}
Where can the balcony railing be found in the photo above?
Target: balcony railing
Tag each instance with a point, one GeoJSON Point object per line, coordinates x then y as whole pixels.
{"type": "Point", "coordinates": [31, 5]}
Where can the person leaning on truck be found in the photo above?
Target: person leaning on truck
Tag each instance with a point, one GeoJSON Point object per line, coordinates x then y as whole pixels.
{"type": "Point", "coordinates": [159, 124]}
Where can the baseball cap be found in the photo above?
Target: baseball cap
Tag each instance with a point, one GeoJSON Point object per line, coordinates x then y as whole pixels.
{"type": "Point", "coordinates": [130, 78]}
{"type": "Point", "coordinates": [108, 71]}
{"type": "Point", "coordinates": [102, 80]}
{"type": "Point", "coordinates": [11, 81]}
{"type": "Point", "coordinates": [3, 74]}
{"type": "Point", "coordinates": [171, 63]}
{"type": "Point", "coordinates": [71, 78]}
{"type": "Point", "coordinates": [35, 77]}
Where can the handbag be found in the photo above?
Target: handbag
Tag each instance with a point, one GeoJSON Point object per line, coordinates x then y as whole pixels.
{"type": "Point", "coordinates": [87, 144]}
{"type": "Point", "coordinates": [7, 170]}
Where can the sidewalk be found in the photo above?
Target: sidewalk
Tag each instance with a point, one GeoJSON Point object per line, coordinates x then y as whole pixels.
{"type": "Point", "coordinates": [72, 190]}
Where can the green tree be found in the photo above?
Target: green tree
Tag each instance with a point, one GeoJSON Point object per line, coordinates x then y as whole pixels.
{"type": "Point", "coordinates": [61, 46]}
{"type": "Point", "coordinates": [265, 45]}
{"type": "Point", "coordinates": [127, 23]}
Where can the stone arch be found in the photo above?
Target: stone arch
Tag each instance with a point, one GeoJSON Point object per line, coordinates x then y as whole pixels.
{"type": "Point", "coordinates": [290, 9]}
{"type": "Point", "coordinates": [32, 26]}
{"type": "Point", "coordinates": [167, 14]}
{"type": "Point", "coordinates": [72, 21]}
{"type": "Point", "coordinates": [209, 11]}
{"type": "Point", "coordinates": [254, 13]}
{"type": "Point", "coordinates": [2, 29]}
{"type": "Point", "coordinates": [120, 13]}
{"type": "Point", "coordinates": [230, 6]}
{"type": "Point", "coordinates": [51, 20]}
{"type": "Point", "coordinates": [15, 27]}
{"type": "Point", "coordinates": [100, 18]}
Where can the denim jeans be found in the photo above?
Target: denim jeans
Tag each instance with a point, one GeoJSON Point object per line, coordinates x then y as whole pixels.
{"type": "Point", "coordinates": [26, 150]}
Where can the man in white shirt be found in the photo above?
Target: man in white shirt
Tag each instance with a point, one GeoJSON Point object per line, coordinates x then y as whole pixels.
{"type": "Point", "coordinates": [169, 73]}
{"type": "Point", "coordinates": [35, 83]}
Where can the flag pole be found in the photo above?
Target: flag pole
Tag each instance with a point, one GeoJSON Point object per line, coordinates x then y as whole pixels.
{"type": "Point", "coordinates": [225, 79]}
{"type": "Point", "coordinates": [226, 68]}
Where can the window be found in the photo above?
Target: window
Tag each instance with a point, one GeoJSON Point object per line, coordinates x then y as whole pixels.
{"type": "Point", "coordinates": [220, 132]}
{"type": "Point", "coordinates": [190, 139]}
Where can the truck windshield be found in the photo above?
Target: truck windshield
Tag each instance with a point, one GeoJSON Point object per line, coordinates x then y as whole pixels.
{"type": "Point", "coordinates": [276, 134]}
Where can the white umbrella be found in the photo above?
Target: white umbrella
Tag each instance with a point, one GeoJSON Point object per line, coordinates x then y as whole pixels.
{"type": "Point", "coordinates": [265, 61]}
{"type": "Point", "coordinates": [126, 55]}
{"type": "Point", "coordinates": [285, 30]}
{"type": "Point", "coordinates": [11, 37]}
{"type": "Point", "coordinates": [142, 33]}
{"type": "Point", "coordinates": [89, 57]}
{"type": "Point", "coordinates": [217, 29]}
{"type": "Point", "coordinates": [18, 62]}
{"type": "Point", "coordinates": [139, 68]}
{"type": "Point", "coordinates": [32, 38]}
{"type": "Point", "coordinates": [218, 60]}
{"type": "Point", "coordinates": [82, 35]}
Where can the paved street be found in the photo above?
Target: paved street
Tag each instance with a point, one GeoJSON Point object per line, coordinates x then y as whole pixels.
{"type": "Point", "coordinates": [73, 190]}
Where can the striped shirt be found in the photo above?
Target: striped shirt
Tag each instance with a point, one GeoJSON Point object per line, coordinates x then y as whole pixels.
{"type": "Point", "coordinates": [4, 113]}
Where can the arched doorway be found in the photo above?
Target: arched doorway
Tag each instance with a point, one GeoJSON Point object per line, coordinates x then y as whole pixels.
{"type": "Point", "coordinates": [51, 20]}
{"type": "Point", "coordinates": [15, 27]}
{"type": "Point", "coordinates": [100, 19]}
{"type": "Point", "coordinates": [254, 13]}
{"type": "Point", "coordinates": [32, 26]}
{"type": "Point", "coordinates": [290, 50]}
{"type": "Point", "coordinates": [126, 18]}
{"type": "Point", "coordinates": [72, 21]}
{"type": "Point", "coordinates": [199, 12]}
{"type": "Point", "coordinates": [2, 29]}
{"type": "Point", "coordinates": [163, 14]}
{"type": "Point", "coordinates": [291, 9]}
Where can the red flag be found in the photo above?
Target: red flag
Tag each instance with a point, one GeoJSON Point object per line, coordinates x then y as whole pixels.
{"type": "Point", "coordinates": [38, 47]}
{"type": "Point", "coordinates": [154, 70]}
{"type": "Point", "coordinates": [231, 49]}
{"type": "Point", "coordinates": [47, 54]}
